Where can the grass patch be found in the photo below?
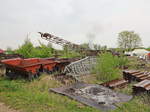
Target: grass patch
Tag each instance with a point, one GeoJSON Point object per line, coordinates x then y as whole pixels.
{"type": "Point", "coordinates": [35, 97]}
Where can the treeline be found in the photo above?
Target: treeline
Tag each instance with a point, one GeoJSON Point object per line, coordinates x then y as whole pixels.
{"type": "Point", "coordinates": [28, 50]}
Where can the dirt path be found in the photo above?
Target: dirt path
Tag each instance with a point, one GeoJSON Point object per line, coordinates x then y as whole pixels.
{"type": "Point", "coordinates": [4, 108]}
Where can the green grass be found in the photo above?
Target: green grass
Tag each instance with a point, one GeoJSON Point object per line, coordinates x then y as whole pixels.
{"type": "Point", "coordinates": [35, 97]}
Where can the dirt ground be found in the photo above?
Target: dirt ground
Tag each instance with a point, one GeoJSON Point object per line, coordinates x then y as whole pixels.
{"type": "Point", "coordinates": [4, 108]}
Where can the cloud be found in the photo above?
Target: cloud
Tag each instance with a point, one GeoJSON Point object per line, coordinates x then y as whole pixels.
{"type": "Point", "coordinates": [72, 20]}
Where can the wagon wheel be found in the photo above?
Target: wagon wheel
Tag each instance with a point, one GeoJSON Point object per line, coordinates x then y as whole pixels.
{"type": "Point", "coordinates": [38, 73]}
{"type": "Point", "coordinates": [55, 69]}
{"type": "Point", "coordinates": [30, 76]}
{"type": "Point", "coordinates": [10, 74]}
{"type": "Point", "coordinates": [49, 72]}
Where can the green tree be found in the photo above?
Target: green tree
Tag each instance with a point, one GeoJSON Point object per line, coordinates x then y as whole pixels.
{"type": "Point", "coordinates": [129, 40]}
{"type": "Point", "coordinates": [26, 49]}
{"type": "Point", "coordinates": [85, 46]}
{"type": "Point", "coordinates": [9, 50]}
{"type": "Point", "coordinates": [43, 50]}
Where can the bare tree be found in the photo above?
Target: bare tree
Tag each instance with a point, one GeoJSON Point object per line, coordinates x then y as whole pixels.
{"type": "Point", "coordinates": [129, 40]}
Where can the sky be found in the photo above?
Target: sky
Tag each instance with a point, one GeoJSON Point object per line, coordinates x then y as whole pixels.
{"type": "Point", "coordinates": [73, 20]}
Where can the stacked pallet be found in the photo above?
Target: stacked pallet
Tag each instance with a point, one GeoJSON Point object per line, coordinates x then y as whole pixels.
{"type": "Point", "coordinates": [143, 86]}
{"type": "Point", "coordinates": [118, 83]}
{"type": "Point", "coordinates": [135, 75]}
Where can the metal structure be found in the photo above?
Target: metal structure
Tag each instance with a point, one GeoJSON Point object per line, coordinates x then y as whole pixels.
{"type": "Point", "coordinates": [72, 46]}
{"type": "Point", "coordinates": [80, 67]}
{"type": "Point", "coordinates": [10, 56]}
{"type": "Point", "coordinates": [60, 41]}
{"type": "Point", "coordinates": [29, 68]}
{"type": "Point", "coordinates": [32, 67]}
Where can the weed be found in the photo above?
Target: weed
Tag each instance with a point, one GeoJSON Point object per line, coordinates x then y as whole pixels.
{"type": "Point", "coordinates": [107, 67]}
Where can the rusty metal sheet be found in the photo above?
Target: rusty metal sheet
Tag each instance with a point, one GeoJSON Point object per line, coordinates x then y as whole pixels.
{"type": "Point", "coordinates": [118, 83]}
{"type": "Point", "coordinates": [143, 86]}
{"type": "Point", "coordinates": [136, 75]}
{"type": "Point", "coordinates": [93, 95]}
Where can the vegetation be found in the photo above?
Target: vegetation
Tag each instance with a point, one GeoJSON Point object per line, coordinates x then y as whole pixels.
{"type": "Point", "coordinates": [129, 40]}
{"type": "Point", "coordinates": [67, 53]}
{"type": "Point", "coordinates": [29, 51]}
{"type": "Point", "coordinates": [35, 97]}
{"type": "Point", "coordinates": [9, 50]}
{"type": "Point", "coordinates": [107, 67]}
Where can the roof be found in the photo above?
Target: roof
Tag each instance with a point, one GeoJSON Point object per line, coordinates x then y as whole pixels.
{"type": "Point", "coordinates": [140, 51]}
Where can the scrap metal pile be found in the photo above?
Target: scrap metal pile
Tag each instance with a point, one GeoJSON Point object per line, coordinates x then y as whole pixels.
{"type": "Point", "coordinates": [101, 96]}
{"type": "Point", "coordinates": [142, 77]}
{"type": "Point", "coordinates": [80, 67]}
{"type": "Point", "coordinates": [143, 86]}
{"type": "Point", "coordinates": [135, 75]}
{"type": "Point", "coordinates": [93, 95]}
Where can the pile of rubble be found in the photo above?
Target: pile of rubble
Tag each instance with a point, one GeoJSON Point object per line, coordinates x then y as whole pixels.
{"type": "Point", "coordinates": [93, 95]}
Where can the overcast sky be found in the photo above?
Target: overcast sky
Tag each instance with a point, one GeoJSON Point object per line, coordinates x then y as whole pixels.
{"type": "Point", "coordinates": [73, 20]}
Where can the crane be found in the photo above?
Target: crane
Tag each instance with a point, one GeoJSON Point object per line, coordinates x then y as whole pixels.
{"type": "Point", "coordinates": [60, 41]}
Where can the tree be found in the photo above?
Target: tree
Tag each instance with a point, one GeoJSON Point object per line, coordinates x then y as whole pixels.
{"type": "Point", "coordinates": [85, 46]}
{"type": "Point", "coordinates": [29, 51]}
{"type": "Point", "coordinates": [129, 40]}
{"type": "Point", "coordinates": [9, 50]}
{"type": "Point", "coordinates": [26, 48]}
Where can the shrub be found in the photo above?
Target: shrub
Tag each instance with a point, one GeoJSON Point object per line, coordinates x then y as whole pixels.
{"type": "Point", "coordinates": [29, 51]}
{"type": "Point", "coordinates": [107, 67]}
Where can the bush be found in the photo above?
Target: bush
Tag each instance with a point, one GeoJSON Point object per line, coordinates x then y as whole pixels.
{"type": "Point", "coordinates": [107, 67]}
{"type": "Point", "coordinates": [68, 53]}
{"type": "Point", "coordinates": [26, 49]}
{"type": "Point", "coordinates": [29, 51]}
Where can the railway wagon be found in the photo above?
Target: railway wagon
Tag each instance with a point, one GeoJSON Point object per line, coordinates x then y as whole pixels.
{"type": "Point", "coordinates": [30, 68]}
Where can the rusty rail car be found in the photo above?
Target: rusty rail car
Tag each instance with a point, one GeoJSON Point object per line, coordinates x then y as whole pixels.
{"type": "Point", "coordinates": [30, 68]}
{"type": "Point", "coordinates": [10, 56]}
{"type": "Point", "coordinates": [62, 63]}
